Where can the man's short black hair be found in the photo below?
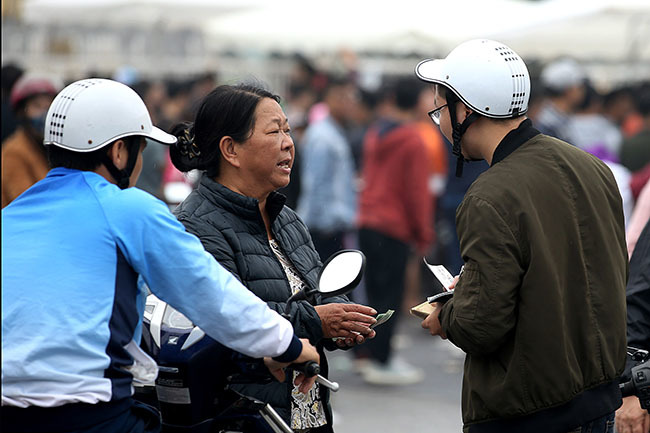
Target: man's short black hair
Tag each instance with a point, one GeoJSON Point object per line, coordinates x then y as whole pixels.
{"type": "Point", "coordinates": [643, 100]}
{"type": "Point", "coordinates": [407, 91]}
{"type": "Point", "coordinates": [86, 161]}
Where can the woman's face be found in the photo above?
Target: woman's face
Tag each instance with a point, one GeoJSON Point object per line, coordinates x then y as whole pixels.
{"type": "Point", "coordinates": [267, 156]}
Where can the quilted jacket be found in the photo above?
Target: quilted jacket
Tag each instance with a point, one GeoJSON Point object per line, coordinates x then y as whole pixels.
{"type": "Point", "coordinates": [231, 228]}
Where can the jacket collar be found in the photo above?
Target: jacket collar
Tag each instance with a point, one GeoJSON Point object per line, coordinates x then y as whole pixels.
{"type": "Point", "coordinates": [246, 207]}
{"type": "Point", "coordinates": [513, 140]}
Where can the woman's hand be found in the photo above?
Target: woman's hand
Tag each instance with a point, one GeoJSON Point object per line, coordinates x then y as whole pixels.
{"type": "Point", "coordinates": [309, 353]}
{"type": "Point", "coordinates": [351, 322]}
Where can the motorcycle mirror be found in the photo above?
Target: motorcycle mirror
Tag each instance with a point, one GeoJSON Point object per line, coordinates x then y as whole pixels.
{"type": "Point", "coordinates": [340, 273]}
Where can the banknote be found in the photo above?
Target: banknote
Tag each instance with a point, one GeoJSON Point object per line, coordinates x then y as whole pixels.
{"type": "Point", "coordinates": [382, 318]}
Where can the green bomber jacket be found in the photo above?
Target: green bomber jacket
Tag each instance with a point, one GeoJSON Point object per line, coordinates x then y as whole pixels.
{"type": "Point", "coordinates": [539, 307]}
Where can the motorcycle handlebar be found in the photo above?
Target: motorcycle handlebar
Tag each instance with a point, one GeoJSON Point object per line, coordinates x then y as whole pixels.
{"type": "Point", "coordinates": [311, 369]}
{"type": "Point", "coordinates": [627, 388]}
{"type": "Point", "coordinates": [253, 371]}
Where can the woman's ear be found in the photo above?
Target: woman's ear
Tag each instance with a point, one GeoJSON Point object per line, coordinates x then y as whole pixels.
{"type": "Point", "coordinates": [228, 149]}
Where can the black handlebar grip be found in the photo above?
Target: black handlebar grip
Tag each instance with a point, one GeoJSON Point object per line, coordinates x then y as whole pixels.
{"type": "Point", "coordinates": [627, 388]}
{"type": "Point", "coordinates": [309, 368]}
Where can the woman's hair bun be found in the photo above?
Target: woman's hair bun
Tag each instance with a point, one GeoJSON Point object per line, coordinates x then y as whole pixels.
{"type": "Point", "coordinates": [184, 153]}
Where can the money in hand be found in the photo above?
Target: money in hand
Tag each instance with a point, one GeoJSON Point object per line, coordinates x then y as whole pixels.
{"type": "Point", "coordinates": [382, 318]}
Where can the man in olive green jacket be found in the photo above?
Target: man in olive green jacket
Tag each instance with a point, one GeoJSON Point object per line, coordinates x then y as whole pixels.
{"type": "Point", "coordinates": [539, 307]}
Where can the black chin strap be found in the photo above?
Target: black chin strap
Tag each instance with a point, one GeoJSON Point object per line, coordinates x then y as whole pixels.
{"type": "Point", "coordinates": [457, 134]}
{"type": "Point", "coordinates": [122, 177]}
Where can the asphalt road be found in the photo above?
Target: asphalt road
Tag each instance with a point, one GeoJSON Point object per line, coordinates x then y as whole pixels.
{"type": "Point", "coordinates": [431, 406]}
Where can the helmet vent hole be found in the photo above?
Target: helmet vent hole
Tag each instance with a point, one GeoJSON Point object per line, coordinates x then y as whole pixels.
{"type": "Point", "coordinates": [487, 108]}
{"type": "Point", "coordinates": [142, 127]}
{"type": "Point", "coordinates": [90, 142]}
{"type": "Point", "coordinates": [447, 77]}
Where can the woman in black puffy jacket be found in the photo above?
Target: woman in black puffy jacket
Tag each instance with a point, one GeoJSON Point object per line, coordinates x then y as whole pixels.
{"type": "Point", "coordinates": [240, 139]}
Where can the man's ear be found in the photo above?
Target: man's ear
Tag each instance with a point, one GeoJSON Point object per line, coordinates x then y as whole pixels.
{"type": "Point", "coordinates": [462, 112]}
{"type": "Point", "coordinates": [118, 153]}
{"type": "Point", "coordinates": [228, 149]}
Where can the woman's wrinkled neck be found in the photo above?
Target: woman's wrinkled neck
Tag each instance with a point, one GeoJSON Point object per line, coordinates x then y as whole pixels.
{"type": "Point", "coordinates": [241, 188]}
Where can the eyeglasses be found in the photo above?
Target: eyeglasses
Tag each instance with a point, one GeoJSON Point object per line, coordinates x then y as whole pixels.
{"type": "Point", "coordinates": [435, 114]}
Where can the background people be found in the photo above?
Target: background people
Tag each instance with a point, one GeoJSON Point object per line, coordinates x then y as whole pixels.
{"type": "Point", "coordinates": [635, 150]}
{"type": "Point", "coordinates": [10, 75]}
{"type": "Point", "coordinates": [395, 216]}
{"type": "Point", "coordinates": [564, 89]}
{"type": "Point", "coordinates": [24, 161]}
{"type": "Point", "coordinates": [589, 128]}
{"type": "Point", "coordinates": [328, 193]}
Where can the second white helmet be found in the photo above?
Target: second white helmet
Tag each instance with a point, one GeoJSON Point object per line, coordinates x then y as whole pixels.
{"type": "Point", "coordinates": [92, 113]}
{"type": "Point", "coordinates": [488, 76]}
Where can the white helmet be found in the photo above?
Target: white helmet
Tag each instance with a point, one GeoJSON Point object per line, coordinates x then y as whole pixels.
{"type": "Point", "coordinates": [486, 75]}
{"type": "Point", "coordinates": [562, 74]}
{"type": "Point", "coordinates": [91, 113]}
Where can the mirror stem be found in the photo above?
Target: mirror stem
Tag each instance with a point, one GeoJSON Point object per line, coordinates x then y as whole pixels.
{"type": "Point", "coordinates": [298, 296]}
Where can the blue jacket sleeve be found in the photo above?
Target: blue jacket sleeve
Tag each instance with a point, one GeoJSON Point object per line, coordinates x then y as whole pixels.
{"type": "Point", "coordinates": [179, 271]}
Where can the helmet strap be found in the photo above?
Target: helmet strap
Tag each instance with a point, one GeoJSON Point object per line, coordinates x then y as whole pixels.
{"type": "Point", "coordinates": [122, 177]}
{"type": "Point", "coordinates": [457, 132]}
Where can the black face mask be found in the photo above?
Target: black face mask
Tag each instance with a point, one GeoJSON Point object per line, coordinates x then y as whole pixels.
{"type": "Point", "coordinates": [34, 127]}
{"type": "Point", "coordinates": [37, 124]}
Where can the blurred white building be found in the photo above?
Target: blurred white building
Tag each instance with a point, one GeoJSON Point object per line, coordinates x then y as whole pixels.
{"type": "Point", "coordinates": [73, 38]}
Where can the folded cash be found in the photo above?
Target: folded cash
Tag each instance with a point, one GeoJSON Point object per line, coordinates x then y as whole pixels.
{"type": "Point", "coordinates": [382, 318]}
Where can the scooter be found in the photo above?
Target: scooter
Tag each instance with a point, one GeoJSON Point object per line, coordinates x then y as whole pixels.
{"type": "Point", "coordinates": [193, 390]}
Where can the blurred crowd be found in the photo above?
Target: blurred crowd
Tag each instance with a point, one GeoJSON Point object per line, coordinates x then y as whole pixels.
{"type": "Point", "coordinates": [348, 178]}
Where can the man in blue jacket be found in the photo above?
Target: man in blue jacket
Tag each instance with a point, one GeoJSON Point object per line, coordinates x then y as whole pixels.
{"type": "Point", "coordinates": [73, 246]}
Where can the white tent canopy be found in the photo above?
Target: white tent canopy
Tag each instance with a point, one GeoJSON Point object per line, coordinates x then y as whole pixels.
{"type": "Point", "coordinates": [584, 29]}
{"type": "Point", "coordinates": [619, 32]}
{"type": "Point", "coordinates": [117, 13]}
{"type": "Point", "coordinates": [605, 29]}
{"type": "Point", "coordinates": [609, 36]}
{"type": "Point", "coordinates": [411, 25]}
